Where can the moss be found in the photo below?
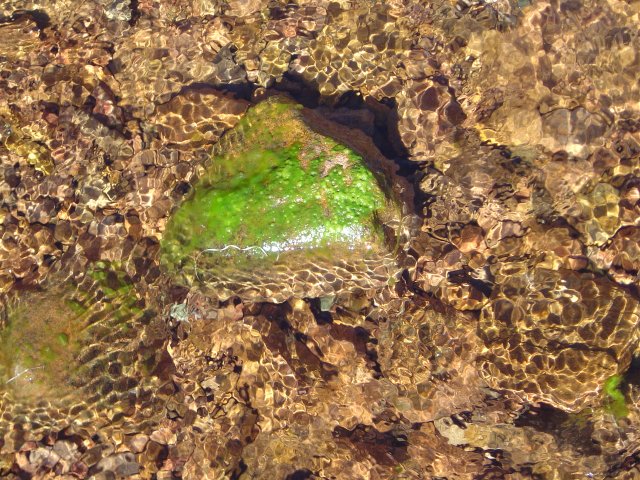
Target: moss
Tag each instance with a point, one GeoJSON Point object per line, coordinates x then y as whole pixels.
{"type": "Point", "coordinates": [615, 402]}
{"type": "Point", "coordinates": [47, 354]}
{"type": "Point", "coordinates": [111, 279]}
{"type": "Point", "coordinates": [75, 305]}
{"type": "Point", "coordinates": [63, 339]}
{"type": "Point", "coordinates": [44, 334]}
{"type": "Point", "coordinates": [280, 187]}
{"type": "Point", "coordinates": [46, 331]}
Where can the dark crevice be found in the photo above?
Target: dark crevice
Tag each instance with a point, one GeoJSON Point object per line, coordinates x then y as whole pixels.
{"type": "Point", "coordinates": [303, 92]}
{"type": "Point", "coordinates": [306, 360]}
{"type": "Point", "coordinates": [40, 17]}
{"type": "Point", "coordinates": [464, 276]}
{"type": "Point", "coordinates": [242, 91]}
{"type": "Point", "coordinates": [626, 464]}
{"type": "Point", "coordinates": [303, 474]}
{"type": "Point", "coordinates": [321, 317]}
{"type": "Point", "coordinates": [386, 448]}
{"type": "Point", "coordinates": [632, 377]}
{"type": "Point", "coordinates": [363, 342]}
{"type": "Point", "coordinates": [567, 428]}
{"type": "Point", "coordinates": [135, 12]}
{"type": "Point", "coordinates": [555, 345]}
{"type": "Point", "coordinates": [237, 472]}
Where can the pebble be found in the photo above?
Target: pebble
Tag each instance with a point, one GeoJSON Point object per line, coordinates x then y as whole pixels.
{"type": "Point", "coordinates": [138, 443]}
{"type": "Point", "coordinates": [65, 449]}
{"type": "Point", "coordinates": [44, 458]}
{"type": "Point", "coordinates": [121, 464]}
{"type": "Point", "coordinates": [164, 436]}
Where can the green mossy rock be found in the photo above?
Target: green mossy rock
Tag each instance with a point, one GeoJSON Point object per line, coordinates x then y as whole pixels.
{"type": "Point", "coordinates": [282, 211]}
{"type": "Point", "coordinates": [47, 331]}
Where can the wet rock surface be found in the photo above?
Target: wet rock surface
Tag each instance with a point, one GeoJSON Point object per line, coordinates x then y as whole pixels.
{"type": "Point", "coordinates": [511, 133]}
{"type": "Point", "coordinates": [283, 211]}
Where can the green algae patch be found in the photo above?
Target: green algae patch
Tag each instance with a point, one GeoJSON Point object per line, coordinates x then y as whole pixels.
{"type": "Point", "coordinates": [276, 190]}
{"type": "Point", "coordinates": [47, 331]}
{"type": "Point", "coordinates": [615, 402]}
{"type": "Point", "coordinates": [39, 343]}
{"type": "Point", "coordinates": [282, 206]}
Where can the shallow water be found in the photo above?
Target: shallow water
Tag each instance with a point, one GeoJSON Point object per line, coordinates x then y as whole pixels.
{"type": "Point", "coordinates": [39, 344]}
{"type": "Point", "coordinates": [494, 334]}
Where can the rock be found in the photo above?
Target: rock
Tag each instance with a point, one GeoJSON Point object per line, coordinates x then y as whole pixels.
{"type": "Point", "coordinates": [243, 8]}
{"type": "Point", "coordinates": [57, 353]}
{"type": "Point", "coordinates": [556, 336]}
{"type": "Point", "coordinates": [43, 458]}
{"type": "Point", "coordinates": [621, 257]}
{"type": "Point", "coordinates": [163, 436]}
{"type": "Point", "coordinates": [154, 453]}
{"type": "Point", "coordinates": [197, 117]}
{"type": "Point", "coordinates": [179, 313]}
{"type": "Point", "coordinates": [138, 443]}
{"type": "Point", "coordinates": [572, 130]}
{"type": "Point", "coordinates": [79, 469]}
{"type": "Point", "coordinates": [103, 476]}
{"type": "Point", "coordinates": [119, 10]}
{"type": "Point", "coordinates": [121, 464]}
{"type": "Point", "coordinates": [66, 450]}
{"type": "Point", "coordinates": [284, 211]}
{"type": "Point", "coordinates": [92, 456]}
{"type": "Point", "coordinates": [599, 218]}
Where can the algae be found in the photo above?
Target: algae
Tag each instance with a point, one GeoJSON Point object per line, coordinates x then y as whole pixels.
{"type": "Point", "coordinates": [47, 331]}
{"type": "Point", "coordinates": [40, 341]}
{"type": "Point", "coordinates": [615, 402]}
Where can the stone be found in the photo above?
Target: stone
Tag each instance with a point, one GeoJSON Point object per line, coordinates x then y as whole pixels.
{"type": "Point", "coordinates": [556, 336]}
{"type": "Point", "coordinates": [572, 130]}
{"type": "Point", "coordinates": [243, 8]}
{"type": "Point", "coordinates": [43, 458]}
{"type": "Point", "coordinates": [121, 464]}
{"type": "Point", "coordinates": [163, 436]}
{"type": "Point", "coordinates": [197, 117]}
{"type": "Point", "coordinates": [138, 443]}
{"type": "Point", "coordinates": [92, 456]}
{"type": "Point", "coordinates": [283, 211]}
{"type": "Point", "coordinates": [118, 10]}
{"type": "Point", "coordinates": [66, 450]}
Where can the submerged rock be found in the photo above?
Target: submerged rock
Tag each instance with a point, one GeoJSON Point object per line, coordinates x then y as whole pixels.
{"type": "Point", "coordinates": [68, 353]}
{"type": "Point", "coordinates": [284, 211]}
{"type": "Point", "coordinates": [38, 344]}
{"type": "Point", "coordinates": [556, 336]}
